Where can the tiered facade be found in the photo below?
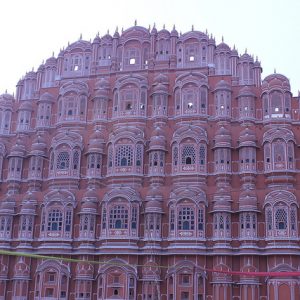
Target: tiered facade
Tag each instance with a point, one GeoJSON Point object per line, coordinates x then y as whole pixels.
{"type": "Point", "coordinates": [161, 156]}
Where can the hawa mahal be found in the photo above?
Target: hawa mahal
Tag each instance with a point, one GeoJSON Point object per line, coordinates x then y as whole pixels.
{"type": "Point", "coordinates": [153, 159]}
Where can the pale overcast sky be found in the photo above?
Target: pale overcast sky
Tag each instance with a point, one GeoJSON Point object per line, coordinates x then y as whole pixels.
{"type": "Point", "coordinates": [31, 30]}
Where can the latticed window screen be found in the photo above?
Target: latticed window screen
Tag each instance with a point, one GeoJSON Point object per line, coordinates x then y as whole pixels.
{"type": "Point", "coordinates": [188, 155]}
{"type": "Point", "coordinates": [63, 160]}
{"type": "Point", "coordinates": [172, 219]}
{"type": "Point", "coordinates": [281, 219]}
{"type": "Point", "coordinates": [124, 156]}
{"type": "Point", "coordinates": [202, 155]}
{"type": "Point", "coordinates": [104, 218]}
{"type": "Point", "coordinates": [201, 219]}
{"type": "Point", "coordinates": [68, 221]}
{"type": "Point", "coordinates": [75, 160]}
{"type": "Point", "coordinates": [134, 218]}
{"type": "Point", "coordinates": [55, 219]}
{"type": "Point", "coordinates": [186, 219]}
{"type": "Point", "coordinates": [175, 156]}
{"type": "Point", "coordinates": [269, 219]}
{"type": "Point", "coordinates": [118, 217]}
{"type": "Point", "coordinates": [293, 219]}
{"type": "Point", "coordinates": [139, 154]}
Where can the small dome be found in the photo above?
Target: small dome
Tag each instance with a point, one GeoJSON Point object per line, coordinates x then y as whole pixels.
{"type": "Point", "coordinates": [154, 194]}
{"type": "Point", "coordinates": [26, 105]}
{"type": "Point", "coordinates": [246, 58]}
{"type": "Point", "coordinates": [96, 142]}
{"type": "Point", "coordinates": [276, 81]}
{"type": "Point", "coordinates": [51, 61]}
{"type": "Point", "coordinates": [161, 78]}
{"type": "Point", "coordinates": [160, 89]}
{"type": "Point", "coordinates": [39, 146]}
{"type": "Point", "coordinates": [88, 207]}
{"type": "Point", "coordinates": [222, 85]}
{"type": "Point", "coordinates": [90, 194]}
{"type": "Point", "coordinates": [6, 97]}
{"type": "Point", "coordinates": [97, 39]}
{"type": "Point", "coordinates": [248, 200]}
{"type": "Point", "coordinates": [234, 52]}
{"type": "Point", "coordinates": [153, 30]}
{"type": "Point", "coordinates": [223, 47]}
{"type": "Point", "coordinates": [164, 33]}
{"type": "Point", "coordinates": [18, 149]}
{"type": "Point", "coordinates": [102, 83]}
{"type": "Point", "coordinates": [174, 32]}
{"type": "Point", "coordinates": [222, 200]}
{"type": "Point", "coordinates": [222, 138]}
{"type": "Point", "coordinates": [29, 203]}
{"type": "Point", "coordinates": [106, 39]}
{"type": "Point", "coordinates": [7, 205]}
{"type": "Point", "coordinates": [47, 97]}
{"type": "Point", "coordinates": [153, 206]}
{"type": "Point", "coordinates": [157, 140]}
{"type": "Point", "coordinates": [245, 91]}
{"type": "Point", "coordinates": [30, 75]}
{"type": "Point", "coordinates": [247, 138]}
{"type": "Point", "coordinates": [116, 34]}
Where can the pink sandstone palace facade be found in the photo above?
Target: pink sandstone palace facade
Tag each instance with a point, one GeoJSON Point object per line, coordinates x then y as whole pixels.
{"type": "Point", "coordinates": [162, 156]}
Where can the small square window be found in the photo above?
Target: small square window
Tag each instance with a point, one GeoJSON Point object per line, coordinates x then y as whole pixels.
{"type": "Point", "coordinates": [277, 109]}
{"type": "Point", "coordinates": [76, 68]}
{"type": "Point", "coordinates": [192, 58]}
{"type": "Point", "coordinates": [190, 105]}
{"type": "Point", "coordinates": [132, 61]}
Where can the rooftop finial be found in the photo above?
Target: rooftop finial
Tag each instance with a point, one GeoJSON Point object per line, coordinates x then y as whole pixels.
{"type": "Point", "coordinates": [107, 31]}
{"type": "Point", "coordinates": [222, 39]}
{"type": "Point", "coordinates": [135, 22]}
{"type": "Point", "coordinates": [192, 27]}
{"type": "Point", "coordinates": [246, 51]}
{"type": "Point", "coordinates": [206, 32]}
{"type": "Point", "coordinates": [52, 53]}
{"type": "Point", "coordinates": [32, 69]}
{"type": "Point", "coordinates": [80, 37]}
{"type": "Point", "coordinates": [122, 30]}
{"type": "Point", "coordinates": [5, 91]}
{"type": "Point", "coordinates": [256, 58]}
{"type": "Point", "coordinates": [117, 29]}
{"type": "Point", "coordinates": [274, 70]}
{"type": "Point", "coordinates": [174, 27]}
{"type": "Point", "coordinates": [98, 34]}
{"type": "Point", "coordinates": [154, 25]}
{"type": "Point", "coordinates": [164, 26]}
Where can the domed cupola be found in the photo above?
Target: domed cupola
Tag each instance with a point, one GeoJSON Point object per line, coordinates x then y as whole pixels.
{"type": "Point", "coordinates": [157, 140]}
{"type": "Point", "coordinates": [247, 138]}
{"type": "Point", "coordinates": [248, 200]}
{"type": "Point", "coordinates": [222, 138]}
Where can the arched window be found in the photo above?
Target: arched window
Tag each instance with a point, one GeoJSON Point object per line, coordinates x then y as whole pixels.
{"type": "Point", "coordinates": [119, 218]}
{"type": "Point", "coordinates": [279, 155]}
{"type": "Point", "coordinates": [189, 220]}
{"type": "Point", "coordinates": [56, 222]}
{"type": "Point", "coordinates": [26, 227]}
{"type": "Point", "coordinates": [281, 217]}
{"type": "Point", "coordinates": [52, 280]}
